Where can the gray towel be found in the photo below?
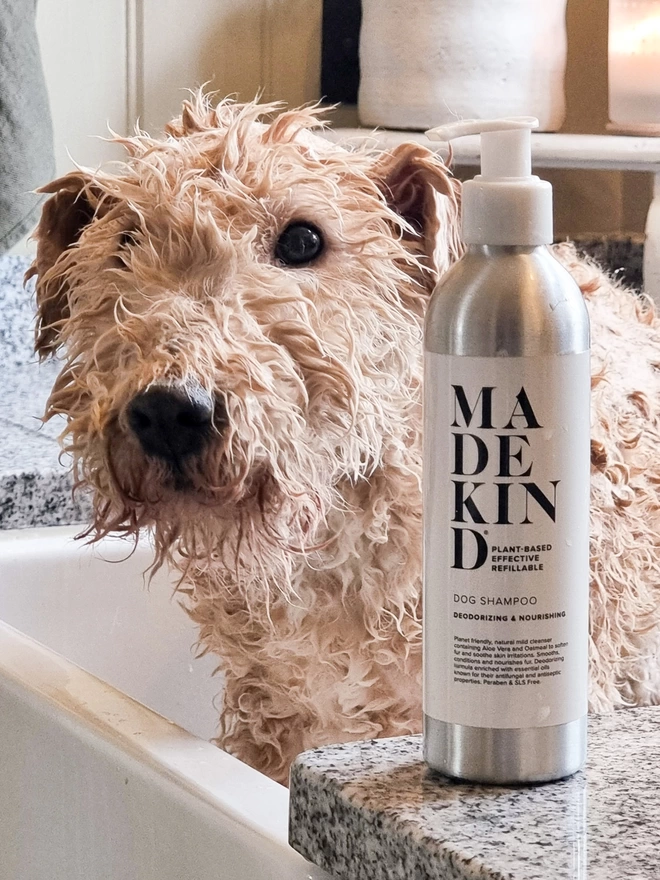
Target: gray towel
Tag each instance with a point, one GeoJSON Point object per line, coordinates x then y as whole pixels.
{"type": "Point", "coordinates": [26, 135]}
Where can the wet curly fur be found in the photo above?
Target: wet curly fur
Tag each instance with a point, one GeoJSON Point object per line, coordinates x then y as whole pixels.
{"type": "Point", "coordinates": [297, 529]}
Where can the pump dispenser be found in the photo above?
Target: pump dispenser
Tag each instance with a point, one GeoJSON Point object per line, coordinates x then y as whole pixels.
{"type": "Point", "coordinates": [506, 484]}
{"type": "Point", "coordinates": [505, 204]}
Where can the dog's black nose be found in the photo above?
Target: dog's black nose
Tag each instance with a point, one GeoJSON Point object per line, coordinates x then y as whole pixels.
{"type": "Point", "coordinates": [171, 423]}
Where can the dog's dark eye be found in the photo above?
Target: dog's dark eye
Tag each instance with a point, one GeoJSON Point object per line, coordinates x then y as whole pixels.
{"type": "Point", "coordinates": [126, 239]}
{"type": "Point", "coordinates": [300, 243]}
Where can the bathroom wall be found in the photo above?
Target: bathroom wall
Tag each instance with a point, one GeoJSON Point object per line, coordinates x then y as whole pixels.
{"type": "Point", "coordinates": [109, 62]}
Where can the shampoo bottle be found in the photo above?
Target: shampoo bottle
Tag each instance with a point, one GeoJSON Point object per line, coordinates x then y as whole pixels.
{"type": "Point", "coordinates": [506, 485]}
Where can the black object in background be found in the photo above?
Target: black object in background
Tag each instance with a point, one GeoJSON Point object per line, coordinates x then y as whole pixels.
{"type": "Point", "coordinates": [340, 64]}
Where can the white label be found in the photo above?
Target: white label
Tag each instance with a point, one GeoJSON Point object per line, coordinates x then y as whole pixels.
{"type": "Point", "coordinates": [506, 539]}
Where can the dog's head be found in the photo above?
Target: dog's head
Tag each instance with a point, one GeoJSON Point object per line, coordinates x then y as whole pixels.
{"type": "Point", "coordinates": [239, 310]}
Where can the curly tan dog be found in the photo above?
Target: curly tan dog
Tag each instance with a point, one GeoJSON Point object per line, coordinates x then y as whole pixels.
{"type": "Point", "coordinates": [240, 310]}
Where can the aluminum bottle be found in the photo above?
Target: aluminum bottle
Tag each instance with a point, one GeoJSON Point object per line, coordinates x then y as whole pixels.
{"type": "Point", "coordinates": [506, 485]}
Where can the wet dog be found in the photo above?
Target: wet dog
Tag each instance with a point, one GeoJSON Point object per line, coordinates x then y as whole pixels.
{"type": "Point", "coordinates": [240, 311]}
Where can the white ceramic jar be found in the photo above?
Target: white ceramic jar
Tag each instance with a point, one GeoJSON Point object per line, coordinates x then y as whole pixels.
{"type": "Point", "coordinates": [426, 62]}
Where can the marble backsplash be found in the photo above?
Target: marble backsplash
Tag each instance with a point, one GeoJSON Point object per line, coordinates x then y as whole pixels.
{"type": "Point", "coordinates": [35, 481]}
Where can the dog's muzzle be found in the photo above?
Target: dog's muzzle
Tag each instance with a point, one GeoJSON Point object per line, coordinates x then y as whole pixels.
{"type": "Point", "coordinates": [172, 423]}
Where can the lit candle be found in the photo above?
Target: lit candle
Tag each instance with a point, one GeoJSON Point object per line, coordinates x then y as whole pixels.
{"type": "Point", "coordinates": [634, 63]}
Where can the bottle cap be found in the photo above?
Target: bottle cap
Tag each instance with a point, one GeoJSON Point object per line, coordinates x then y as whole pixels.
{"type": "Point", "coordinates": [506, 204]}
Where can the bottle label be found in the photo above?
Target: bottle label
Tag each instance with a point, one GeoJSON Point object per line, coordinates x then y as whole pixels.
{"type": "Point", "coordinates": [506, 539]}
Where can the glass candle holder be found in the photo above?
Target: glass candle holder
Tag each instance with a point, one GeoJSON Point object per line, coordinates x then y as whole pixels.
{"type": "Point", "coordinates": [634, 66]}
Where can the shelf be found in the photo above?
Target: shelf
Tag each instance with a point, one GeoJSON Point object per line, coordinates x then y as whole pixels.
{"type": "Point", "coordinates": [594, 151]}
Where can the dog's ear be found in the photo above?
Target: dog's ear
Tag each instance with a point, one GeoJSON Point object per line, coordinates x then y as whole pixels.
{"type": "Point", "coordinates": [420, 189]}
{"type": "Point", "coordinates": [64, 216]}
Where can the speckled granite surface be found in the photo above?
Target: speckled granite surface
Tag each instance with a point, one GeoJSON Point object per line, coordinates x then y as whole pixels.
{"type": "Point", "coordinates": [35, 487]}
{"type": "Point", "coordinates": [17, 312]}
{"type": "Point", "coordinates": [371, 810]}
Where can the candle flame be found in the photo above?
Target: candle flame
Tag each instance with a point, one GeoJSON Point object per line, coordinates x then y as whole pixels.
{"type": "Point", "coordinates": [641, 38]}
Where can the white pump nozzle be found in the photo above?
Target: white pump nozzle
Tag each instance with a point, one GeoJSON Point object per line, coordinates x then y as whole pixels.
{"type": "Point", "coordinates": [505, 204]}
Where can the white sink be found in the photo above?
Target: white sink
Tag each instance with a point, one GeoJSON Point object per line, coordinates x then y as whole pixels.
{"type": "Point", "coordinates": [94, 785]}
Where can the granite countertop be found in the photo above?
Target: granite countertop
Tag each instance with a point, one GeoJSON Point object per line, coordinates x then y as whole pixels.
{"type": "Point", "coordinates": [373, 810]}
{"type": "Point", "coordinates": [35, 485]}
